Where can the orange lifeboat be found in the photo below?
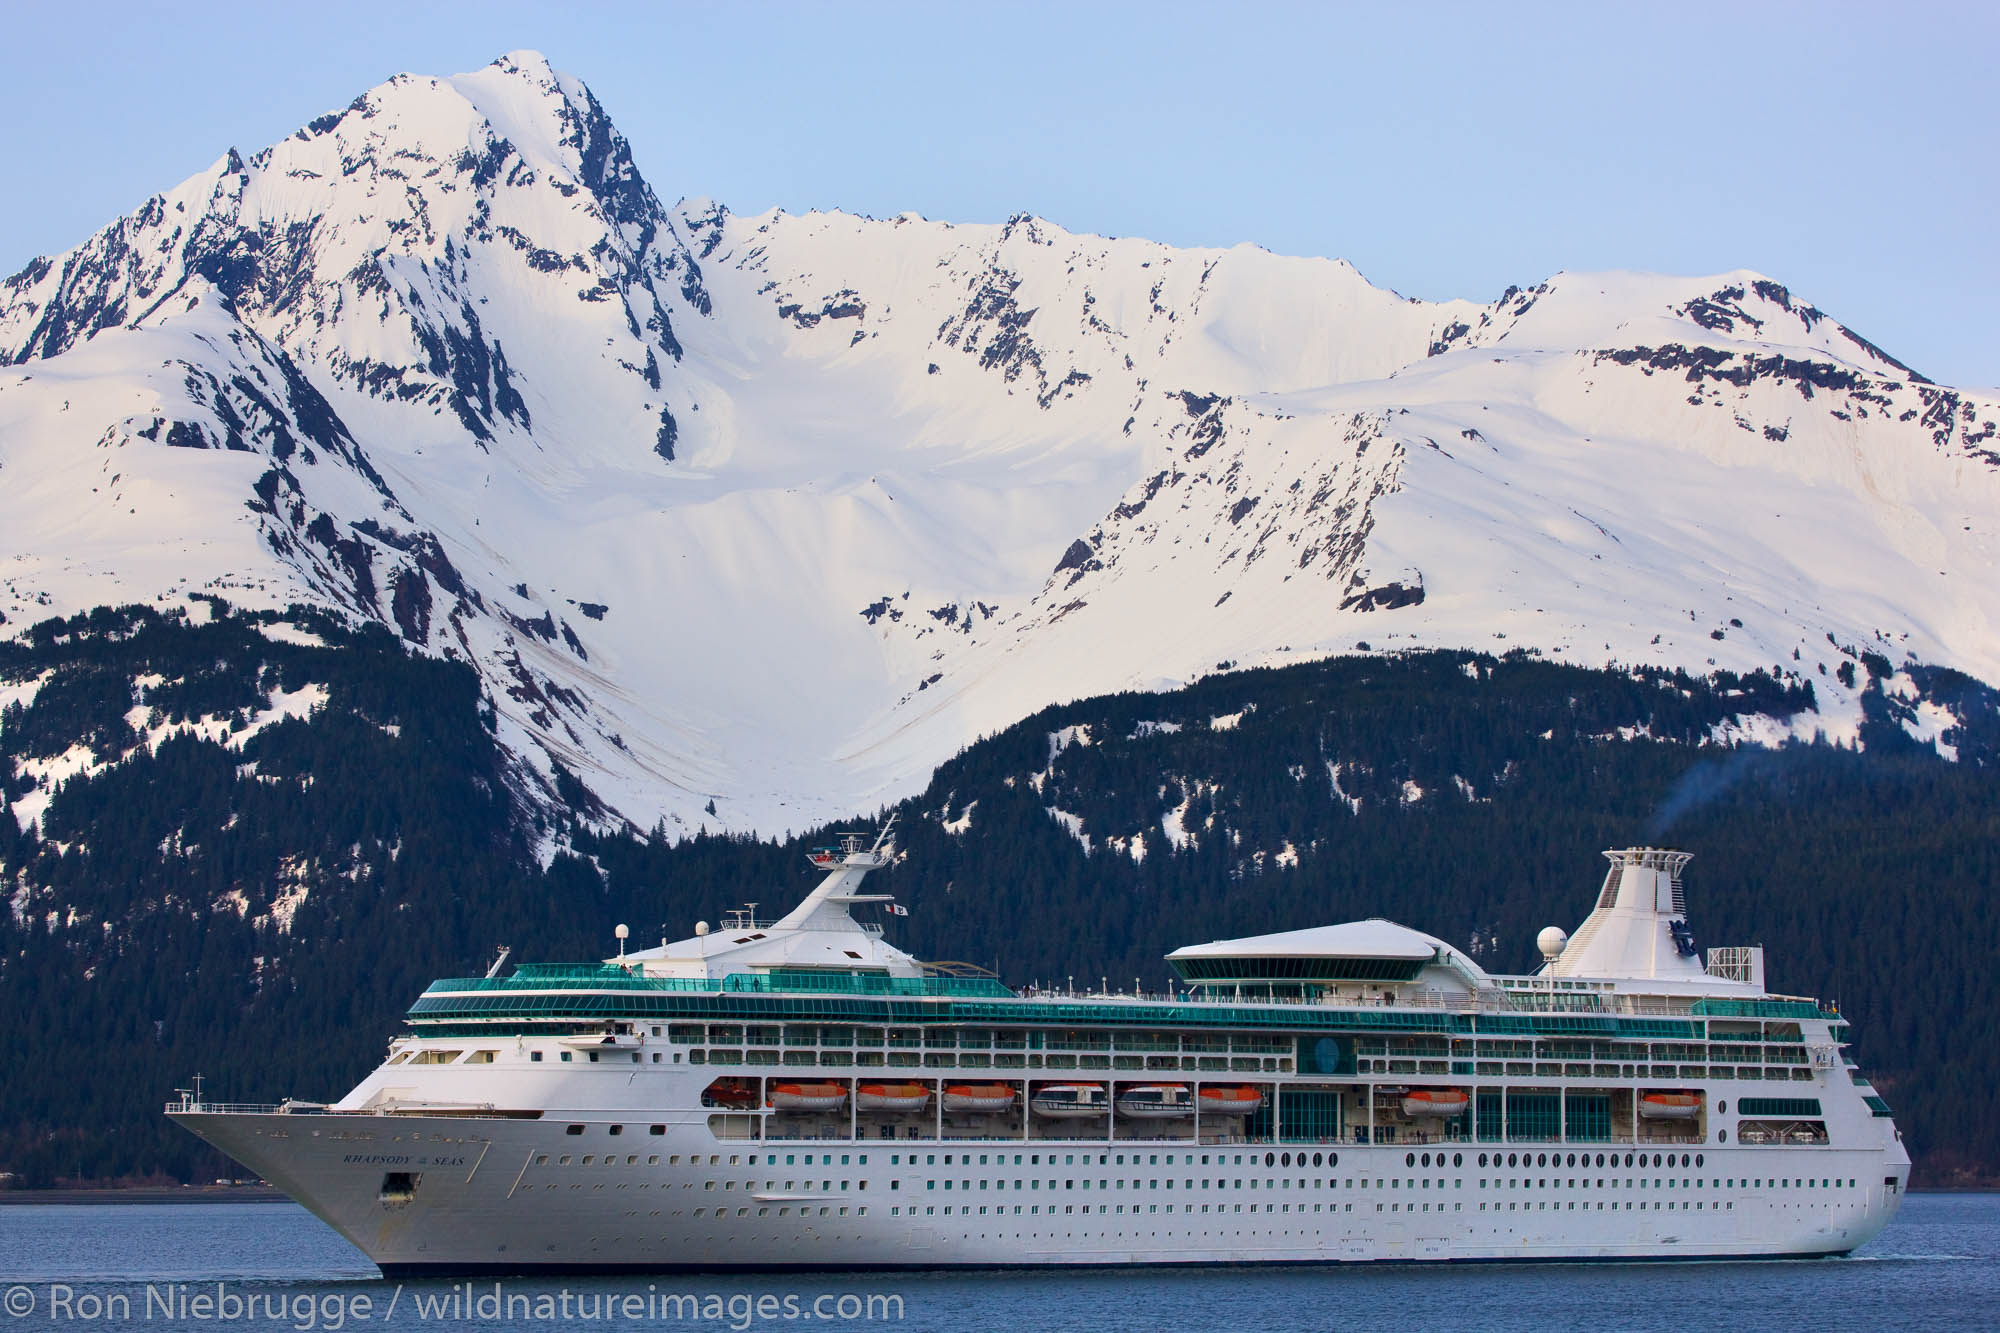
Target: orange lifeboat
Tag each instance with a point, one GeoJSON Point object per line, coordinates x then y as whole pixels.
{"type": "Point", "coordinates": [733, 1093]}
{"type": "Point", "coordinates": [1434, 1102]}
{"type": "Point", "coordinates": [1669, 1106]}
{"type": "Point", "coordinates": [808, 1096]}
{"type": "Point", "coordinates": [1229, 1101]}
{"type": "Point", "coordinates": [892, 1097]}
{"type": "Point", "coordinates": [978, 1097]}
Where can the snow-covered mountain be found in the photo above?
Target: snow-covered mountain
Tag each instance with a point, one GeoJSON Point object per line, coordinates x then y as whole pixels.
{"type": "Point", "coordinates": [751, 521]}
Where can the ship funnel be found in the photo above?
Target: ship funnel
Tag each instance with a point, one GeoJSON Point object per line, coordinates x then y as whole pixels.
{"type": "Point", "coordinates": [1639, 926]}
{"type": "Point", "coordinates": [1645, 878]}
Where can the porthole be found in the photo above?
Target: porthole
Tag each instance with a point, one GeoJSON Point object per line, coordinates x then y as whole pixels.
{"type": "Point", "coordinates": [1628, 1159]}
{"type": "Point", "coordinates": [1316, 1158]}
{"type": "Point", "coordinates": [1427, 1159]}
{"type": "Point", "coordinates": [1722, 1136]}
{"type": "Point", "coordinates": [1512, 1160]}
{"type": "Point", "coordinates": [1600, 1159]}
{"type": "Point", "coordinates": [1572, 1159]}
{"type": "Point", "coordinates": [1698, 1159]}
{"type": "Point", "coordinates": [1542, 1159]}
{"type": "Point", "coordinates": [1409, 1159]}
{"type": "Point", "coordinates": [1482, 1161]}
{"type": "Point", "coordinates": [1684, 1160]}
{"type": "Point", "coordinates": [1270, 1159]}
{"type": "Point", "coordinates": [1333, 1159]}
{"type": "Point", "coordinates": [1286, 1160]}
{"type": "Point", "coordinates": [1722, 1108]}
{"type": "Point", "coordinates": [1458, 1159]}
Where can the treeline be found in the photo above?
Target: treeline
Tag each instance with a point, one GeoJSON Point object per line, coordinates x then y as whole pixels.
{"type": "Point", "coordinates": [263, 911]}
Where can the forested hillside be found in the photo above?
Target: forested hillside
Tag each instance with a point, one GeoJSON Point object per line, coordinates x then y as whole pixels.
{"type": "Point", "coordinates": [245, 845]}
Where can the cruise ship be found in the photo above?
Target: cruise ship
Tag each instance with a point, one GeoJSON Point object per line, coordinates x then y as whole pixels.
{"type": "Point", "coordinates": [801, 1094]}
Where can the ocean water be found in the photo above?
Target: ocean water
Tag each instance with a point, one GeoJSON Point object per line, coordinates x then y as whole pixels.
{"type": "Point", "coordinates": [274, 1266]}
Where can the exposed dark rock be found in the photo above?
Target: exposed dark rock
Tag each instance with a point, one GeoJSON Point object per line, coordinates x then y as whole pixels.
{"type": "Point", "coordinates": [1386, 597]}
{"type": "Point", "coordinates": [410, 603]}
{"type": "Point", "coordinates": [1740, 369]}
{"type": "Point", "coordinates": [1077, 556]}
{"type": "Point", "coordinates": [663, 443]}
{"type": "Point", "coordinates": [874, 611]}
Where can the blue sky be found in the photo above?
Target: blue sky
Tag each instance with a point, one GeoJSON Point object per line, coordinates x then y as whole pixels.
{"type": "Point", "coordinates": [1448, 150]}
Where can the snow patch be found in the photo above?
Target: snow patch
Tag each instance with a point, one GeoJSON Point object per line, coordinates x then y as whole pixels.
{"type": "Point", "coordinates": [1353, 803]}
{"type": "Point", "coordinates": [1068, 736]}
{"type": "Point", "coordinates": [1073, 824]}
{"type": "Point", "coordinates": [1134, 846]}
{"type": "Point", "coordinates": [1757, 729]}
{"type": "Point", "coordinates": [1229, 721]}
{"type": "Point", "coordinates": [22, 692]}
{"type": "Point", "coordinates": [285, 905]}
{"type": "Point", "coordinates": [284, 631]}
{"type": "Point", "coordinates": [1930, 724]}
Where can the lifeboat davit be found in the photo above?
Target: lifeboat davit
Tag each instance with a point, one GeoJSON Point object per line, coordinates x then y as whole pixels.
{"type": "Point", "coordinates": [892, 1097]}
{"type": "Point", "coordinates": [1229, 1101]}
{"type": "Point", "coordinates": [978, 1097]}
{"type": "Point", "coordinates": [1435, 1102]}
{"type": "Point", "coordinates": [1069, 1101]}
{"type": "Point", "coordinates": [808, 1096]}
{"type": "Point", "coordinates": [1156, 1101]}
{"type": "Point", "coordinates": [1669, 1106]}
{"type": "Point", "coordinates": [732, 1093]}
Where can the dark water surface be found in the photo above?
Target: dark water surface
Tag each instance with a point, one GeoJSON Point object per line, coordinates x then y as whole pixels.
{"type": "Point", "coordinates": [274, 1266]}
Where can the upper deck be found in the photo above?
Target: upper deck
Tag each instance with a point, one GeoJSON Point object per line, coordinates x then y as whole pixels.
{"type": "Point", "coordinates": [539, 996]}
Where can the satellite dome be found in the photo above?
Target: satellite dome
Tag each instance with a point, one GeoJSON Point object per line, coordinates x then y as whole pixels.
{"type": "Point", "coordinates": [1551, 942]}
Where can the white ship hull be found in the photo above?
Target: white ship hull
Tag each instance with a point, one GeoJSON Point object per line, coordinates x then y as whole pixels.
{"type": "Point", "coordinates": [482, 1203]}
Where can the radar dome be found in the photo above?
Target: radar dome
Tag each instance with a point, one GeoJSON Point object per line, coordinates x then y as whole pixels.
{"type": "Point", "coordinates": [1552, 941]}
{"type": "Point", "coordinates": [701, 927]}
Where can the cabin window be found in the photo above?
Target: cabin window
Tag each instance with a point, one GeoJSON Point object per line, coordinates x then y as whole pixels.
{"type": "Point", "coordinates": [535, 1057]}
{"type": "Point", "coordinates": [574, 1129]}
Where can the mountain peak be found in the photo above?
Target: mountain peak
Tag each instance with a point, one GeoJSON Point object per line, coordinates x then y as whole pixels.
{"type": "Point", "coordinates": [441, 360]}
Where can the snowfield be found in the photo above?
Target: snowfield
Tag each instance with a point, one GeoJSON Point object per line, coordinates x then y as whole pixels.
{"type": "Point", "coordinates": [774, 513]}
